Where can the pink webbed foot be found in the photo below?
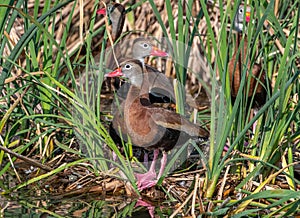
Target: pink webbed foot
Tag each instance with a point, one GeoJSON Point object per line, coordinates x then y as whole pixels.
{"type": "Point", "coordinates": [146, 180]}
{"type": "Point", "coordinates": [150, 207]}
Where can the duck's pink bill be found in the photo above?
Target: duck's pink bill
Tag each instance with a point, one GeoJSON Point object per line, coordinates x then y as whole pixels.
{"type": "Point", "coordinates": [117, 72]}
{"type": "Point", "coordinates": [101, 11]}
{"type": "Point", "coordinates": [159, 53]}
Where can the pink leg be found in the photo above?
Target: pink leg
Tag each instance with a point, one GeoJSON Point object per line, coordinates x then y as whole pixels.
{"type": "Point", "coordinates": [255, 123]}
{"type": "Point", "coordinates": [146, 159]}
{"type": "Point", "coordinates": [152, 167]}
{"type": "Point", "coordinates": [114, 156]}
{"type": "Point", "coordinates": [163, 164]}
{"type": "Point", "coordinates": [148, 179]}
{"type": "Point", "coordinates": [254, 127]}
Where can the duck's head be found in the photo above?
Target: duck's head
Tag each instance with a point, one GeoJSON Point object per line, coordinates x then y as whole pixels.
{"type": "Point", "coordinates": [112, 10]}
{"type": "Point", "coordinates": [130, 69]}
{"type": "Point", "coordinates": [243, 14]}
{"type": "Point", "coordinates": [142, 48]}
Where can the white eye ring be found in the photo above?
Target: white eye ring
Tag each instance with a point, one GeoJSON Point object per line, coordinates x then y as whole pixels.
{"type": "Point", "coordinates": [145, 45]}
{"type": "Point", "coordinates": [241, 10]}
{"type": "Point", "coordinates": [127, 66]}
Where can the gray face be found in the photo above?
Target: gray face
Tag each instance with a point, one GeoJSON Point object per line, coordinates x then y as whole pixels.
{"type": "Point", "coordinates": [133, 71]}
{"type": "Point", "coordinates": [113, 13]}
{"type": "Point", "coordinates": [240, 16]}
{"type": "Point", "coordinates": [141, 49]}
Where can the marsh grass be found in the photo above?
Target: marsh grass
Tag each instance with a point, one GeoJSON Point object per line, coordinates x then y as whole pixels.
{"type": "Point", "coordinates": [275, 119]}
{"type": "Point", "coordinates": [46, 114]}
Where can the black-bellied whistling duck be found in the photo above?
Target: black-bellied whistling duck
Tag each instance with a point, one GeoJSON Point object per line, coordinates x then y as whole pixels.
{"type": "Point", "coordinates": [142, 48]}
{"type": "Point", "coordinates": [258, 82]}
{"type": "Point", "coordinates": [150, 127]}
{"type": "Point", "coordinates": [160, 87]}
{"type": "Point", "coordinates": [116, 14]}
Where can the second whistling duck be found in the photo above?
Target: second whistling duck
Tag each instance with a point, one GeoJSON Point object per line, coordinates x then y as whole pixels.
{"type": "Point", "coordinates": [258, 82]}
{"type": "Point", "coordinates": [150, 127]}
{"type": "Point", "coordinates": [159, 87]}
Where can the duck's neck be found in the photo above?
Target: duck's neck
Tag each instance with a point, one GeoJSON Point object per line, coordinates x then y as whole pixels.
{"type": "Point", "coordinates": [242, 51]}
{"type": "Point", "coordinates": [144, 92]}
{"type": "Point", "coordinates": [117, 19]}
{"type": "Point", "coordinates": [139, 89]}
{"type": "Point", "coordinates": [237, 47]}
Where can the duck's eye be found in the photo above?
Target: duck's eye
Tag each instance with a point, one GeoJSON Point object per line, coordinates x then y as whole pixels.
{"type": "Point", "coordinates": [145, 45]}
{"type": "Point", "coordinates": [127, 66]}
{"type": "Point", "coordinates": [241, 10]}
{"type": "Point", "coordinates": [109, 8]}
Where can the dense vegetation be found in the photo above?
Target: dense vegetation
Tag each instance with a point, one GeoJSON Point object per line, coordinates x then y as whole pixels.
{"type": "Point", "coordinates": [52, 119]}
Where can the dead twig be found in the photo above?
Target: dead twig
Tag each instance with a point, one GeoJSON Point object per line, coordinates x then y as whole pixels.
{"type": "Point", "coordinates": [27, 159]}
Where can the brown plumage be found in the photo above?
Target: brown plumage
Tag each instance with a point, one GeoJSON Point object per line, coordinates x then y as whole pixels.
{"type": "Point", "coordinates": [150, 127]}
{"type": "Point", "coordinates": [258, 83]}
